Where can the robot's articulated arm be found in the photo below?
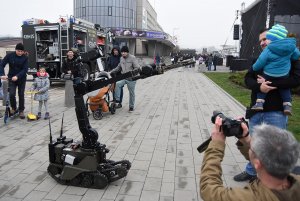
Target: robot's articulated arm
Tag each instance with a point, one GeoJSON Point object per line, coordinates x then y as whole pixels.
{"type": "Point", "coordinates": [90, 135]}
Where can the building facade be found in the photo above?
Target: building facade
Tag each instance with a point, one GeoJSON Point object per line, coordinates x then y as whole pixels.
{"type": "Point", "coordinates": [134, 22]}
{"type": "Point", "coordinates": [107, 13]}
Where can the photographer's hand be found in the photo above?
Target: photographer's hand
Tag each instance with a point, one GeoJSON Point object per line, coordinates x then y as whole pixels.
{"type": "Point", "coordinates": [217, 133]}
{"type": "Point", "coordinates": [246, 137]}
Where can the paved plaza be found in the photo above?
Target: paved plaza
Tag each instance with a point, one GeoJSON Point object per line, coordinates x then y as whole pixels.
{"type": "Point", "coordinates": [171, 119]}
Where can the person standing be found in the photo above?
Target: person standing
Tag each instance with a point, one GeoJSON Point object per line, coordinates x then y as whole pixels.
{"type": "Point", "coordinates": [209, 61]}
{"type": "Point", "coordinates": [112, 63]}
{"type": "Point", "coordinates": [17, 74]}
{"type": "Point", "coordinates": [157, 60]}
{"type": "Point", "coordinates": [274, 153]}
{"type": "Point", "coordinates": [215, 61]}
{"type": "Point", "coordinates": [275, 61]}
{"type": "Point", "coordinates": [71, 67]}
{"type": "Point", "coordinates": [272, 112]}
{"type": "Point", "coordinates": [127, 63]}
{"type": "Point", "coordinates": [41, 86]}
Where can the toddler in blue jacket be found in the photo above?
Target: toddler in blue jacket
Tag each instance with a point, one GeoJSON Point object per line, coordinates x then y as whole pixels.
{"type": "Point", "coordinates": [275, 61]}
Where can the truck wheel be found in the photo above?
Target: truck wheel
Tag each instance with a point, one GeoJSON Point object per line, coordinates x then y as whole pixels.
{"type": "Point", "coordinates": [85, 72]}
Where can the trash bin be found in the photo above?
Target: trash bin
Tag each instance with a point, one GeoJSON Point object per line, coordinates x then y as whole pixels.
{"type": "Point", "coordinates": [239, 64]}
{"type": "Point", "coordinates": [229, 58]}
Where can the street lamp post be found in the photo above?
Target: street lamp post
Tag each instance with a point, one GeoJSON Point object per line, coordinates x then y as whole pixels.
{"type": "Point", "coordinates": [173, 36]}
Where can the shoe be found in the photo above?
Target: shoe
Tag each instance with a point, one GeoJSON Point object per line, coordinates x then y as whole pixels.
{"type": "Point", "coordinates": [39, 115]}
{"type": "Point", "coordinates": [12, 112]}
{"type": "Point", "coordinates": [244, 176]}
{"type": "Point", "coordinates": [131, 109]}
{"type": "Point", "coordinates": [118, 106]}
{"type": "Point", "coordinates": [46, 115]}
{"type": "Point", "coordinates": [21, 115]}
{"type": "Point", "coordinates": [296, 170]}
{"type": "Point", "coordinates": [259, 106]}
{"type": "Point", "coordinates": [287, 109]}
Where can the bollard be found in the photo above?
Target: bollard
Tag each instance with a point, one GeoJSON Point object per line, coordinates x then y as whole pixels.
{"type": "Point", "coordinates": [69, 94]}
{"type": "Point", "coordinates": [5, 93]}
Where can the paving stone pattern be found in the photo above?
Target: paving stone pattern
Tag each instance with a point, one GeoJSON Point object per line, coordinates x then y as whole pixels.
{"type": "Point", "coordinates": [171, 119]}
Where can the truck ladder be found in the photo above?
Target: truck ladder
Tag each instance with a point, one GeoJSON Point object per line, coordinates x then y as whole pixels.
{"type": "Point", "coordinates": [64, 37]}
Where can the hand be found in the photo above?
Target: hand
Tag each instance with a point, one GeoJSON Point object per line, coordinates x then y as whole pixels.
{"type": "Point", "coordinates": [4, 77]}
{"type": "Point", "coordinates": [265, 88]}
{"type": "Point", "coordinates": [260, 79]}
{"type": "Point", "coordinates": [14, 78]}
{"type": "Point", "coordinates": [246, 137]}
{"type": "Point", "coordinates": [217, 133]}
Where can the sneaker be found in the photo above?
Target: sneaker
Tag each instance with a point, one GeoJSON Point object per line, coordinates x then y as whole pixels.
{"type": "Point", "coordinates": [46, 115]}
{"type": "Point", "coordinates": [39, 115]}
{"type": "Point", "coordinates": [244, 176]}
{"type": "Point", "coordinates": [21, 115]}
{"type": "Point", "coordinates": [287, 109]}
{"type": "Point", "coordinates": [296, 170]}
{"type": "Point", "coordinates": [131, 109]}
{"type": "Point", "coordinates": [12, 112]}
{"type": "Point", "coordinates": [258, 106]}
{"type": "Point", "coordinates": [118, 106]}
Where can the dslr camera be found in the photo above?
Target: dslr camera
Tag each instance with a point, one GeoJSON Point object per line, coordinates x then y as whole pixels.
{"type": "Point", "coordinates": [230, 127]}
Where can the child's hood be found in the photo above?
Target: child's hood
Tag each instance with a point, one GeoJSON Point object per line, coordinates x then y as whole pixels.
{"type": "Point", "coordinates": [46, 75]}
{"type": "Point", "coordinates": [283, 47]}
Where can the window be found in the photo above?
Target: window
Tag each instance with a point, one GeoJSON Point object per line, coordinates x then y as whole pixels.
{"type": "Point", "coordinates": [109, 10]}
{"type": "Point", "coordinates": [83, 11]}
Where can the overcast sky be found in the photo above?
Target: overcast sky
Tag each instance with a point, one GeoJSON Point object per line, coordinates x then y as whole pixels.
{"type": "Point", "coordinates": [196, 23]}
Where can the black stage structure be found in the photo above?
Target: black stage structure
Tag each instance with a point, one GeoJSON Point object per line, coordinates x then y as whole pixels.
{"type": "Point", "coordinates": [257, 15]}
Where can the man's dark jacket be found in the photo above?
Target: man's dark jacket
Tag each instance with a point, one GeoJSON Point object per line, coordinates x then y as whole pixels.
{"type": "Point", "coordinates": [18, 66]}
{"type": "Point", "coordinates": [73, 66]}
{"type": "Point", "coordinates": [273, 101]}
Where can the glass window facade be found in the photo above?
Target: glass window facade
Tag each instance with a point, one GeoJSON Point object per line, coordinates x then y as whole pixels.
{"type": "Point", "coordinates": [107, 13]}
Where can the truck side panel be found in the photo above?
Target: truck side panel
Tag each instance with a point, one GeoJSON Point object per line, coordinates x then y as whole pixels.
{"type": "Point", "coordinates": [29, 43]}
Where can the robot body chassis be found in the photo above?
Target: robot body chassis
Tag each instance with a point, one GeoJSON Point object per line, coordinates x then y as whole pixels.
{"type": "Point", "coordinates": [84, 163]}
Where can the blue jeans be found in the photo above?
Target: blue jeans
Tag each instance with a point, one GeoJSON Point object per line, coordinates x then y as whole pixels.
{"type": "Point", "coordinates": [76, 80]}
{"type": "Point", "coordinates": [276, 118]}
{"type": "Point", "coordinates": [284, 93]}
{"type": "Point", "coordinates": [209, 64]}
{"type": "Point", "coordinates": [121, 96]}
{"type": "Point", "coordinates": [131, 88]}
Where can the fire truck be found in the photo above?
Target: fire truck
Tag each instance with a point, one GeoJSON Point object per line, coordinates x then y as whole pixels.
{"type": "Point", "coordinates": [48, 43]}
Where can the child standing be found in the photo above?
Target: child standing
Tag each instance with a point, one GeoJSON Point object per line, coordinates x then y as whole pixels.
{"type": "Point", "coordinates": [41, 85]}
{"type": "Point", "coordinates": [275, 61]}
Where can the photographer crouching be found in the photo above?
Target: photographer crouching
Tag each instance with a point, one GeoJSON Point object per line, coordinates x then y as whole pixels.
{"type": "Point", "coordinates": [272, 151]}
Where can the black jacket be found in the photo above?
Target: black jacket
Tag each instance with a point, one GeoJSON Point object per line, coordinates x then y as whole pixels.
{"type": "Point", "coordinates": [273, 101]}
{"type": "Point", "coordinates": [18, 66]}
{"type": "Point", "coordinates": [73, 66]}
{"type": "Point", "coordinates": [113, 60]}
